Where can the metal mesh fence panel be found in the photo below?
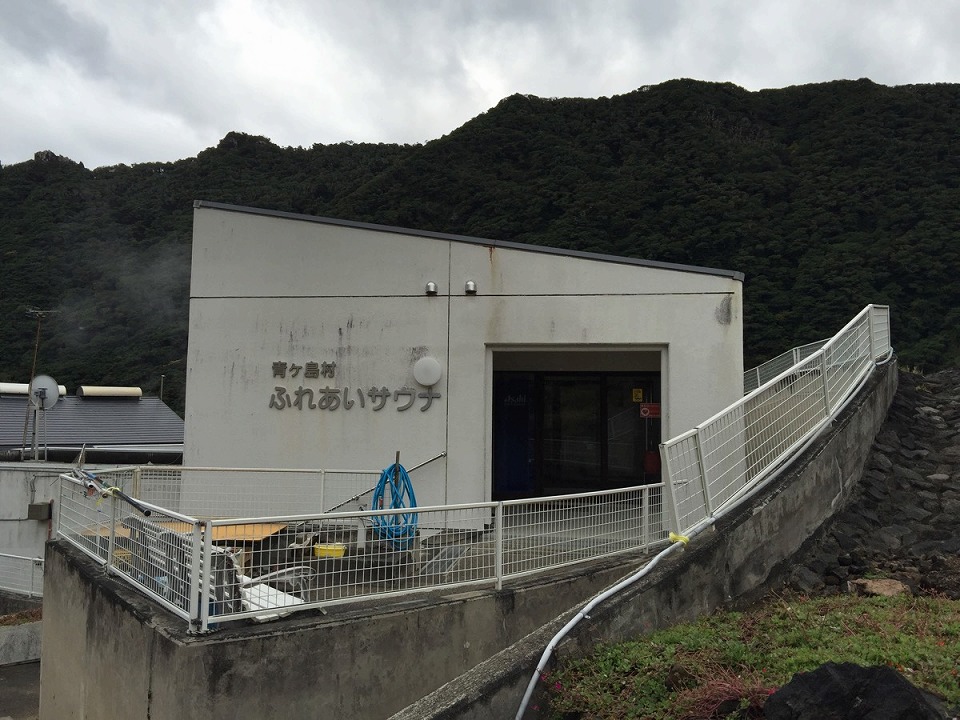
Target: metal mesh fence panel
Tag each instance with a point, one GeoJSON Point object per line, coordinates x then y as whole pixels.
{"type": "Point", "coordinates": [263, 568]}
{"type": "Point", "coordinates": [277, 565]}
{"type": "Point", "coordinates": [155, 553]}
{"type": "Point", "coordinates": [553, 532]}
{"type": "Point", "coordinates": [711, 466]}
{"type": "Point", "coordinates": [22, 575]}
{"type": "Point", "coordinates": [239, 492]}
{"type": "Point", "coordinates": [846, 359]}
{"type": "Point", "coordinates": [755, 377]}
{"type": "Point", "coordinates": [684, 473]}
{"type": "Point", "coordinates": [85, 519]}
{"type": "Point", "coordinates": [880, 330]}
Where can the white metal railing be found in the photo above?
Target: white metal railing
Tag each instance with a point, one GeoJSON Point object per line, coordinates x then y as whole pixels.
{"type": "Point", "coordinates": [709, 467]}
{"type": "Point", "coordinates": [262, 567]}
{"type": "Point", "coordinates": [716, 466]}
{"type": "Point", "coordinates": [755, 377]}
{"type": "Point", "coordinates": [21, 574]}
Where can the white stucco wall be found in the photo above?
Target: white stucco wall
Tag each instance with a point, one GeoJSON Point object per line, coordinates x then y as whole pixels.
{"type": "Point", "coordinates": [20, 485]}
{"type": "Point", "coordinates": [268, 289]}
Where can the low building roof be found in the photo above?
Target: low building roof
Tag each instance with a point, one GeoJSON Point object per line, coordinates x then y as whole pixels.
{"type": "Point", "coordinates": [102, 421]}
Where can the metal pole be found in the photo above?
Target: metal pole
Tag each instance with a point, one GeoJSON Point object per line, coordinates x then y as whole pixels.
{"type": "Point", "coordinates": [645, 517]}
{"type": "Point", "coordinates": [826, 388]}
{"type": "Point", "coordinates": [37, 563]}
{"type": "Point", "coordinates": [196, 551]}
{"type": "Point", "coordinates": [667, 493]}
{"type": "Point", "coordinates": [704, 483]}
{"type": "Point", "coordinates": [323, 487]}
{"type": "Point", "coordinates": [33, 437]}
{"type": "Point", "coordinates": [33, 371]}
{"type": "Point", "coordinates": [498, 545]}
{"type": "Point", "coordinates": [111, 545]}
{"type": "Point", "coordinates": [205, 575]}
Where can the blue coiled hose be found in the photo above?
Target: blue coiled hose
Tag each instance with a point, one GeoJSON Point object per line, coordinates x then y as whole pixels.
{"type": "Point", "coordinates": [399, 529]}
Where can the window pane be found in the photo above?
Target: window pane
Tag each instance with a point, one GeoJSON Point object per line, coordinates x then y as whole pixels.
{"type": "Point", "coordinates": [571, 432]}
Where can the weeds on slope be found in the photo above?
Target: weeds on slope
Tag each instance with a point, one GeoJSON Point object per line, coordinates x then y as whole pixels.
{"type": "Point", "coordinates": [727, 664]}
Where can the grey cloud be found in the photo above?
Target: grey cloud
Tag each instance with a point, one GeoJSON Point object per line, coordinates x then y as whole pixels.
{"type": "Point", "coordinates": [38, 29]}
{"type": "Point", "coordinates": [108, 82]}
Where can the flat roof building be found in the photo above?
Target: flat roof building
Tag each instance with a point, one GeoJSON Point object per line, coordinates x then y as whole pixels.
{"type": "Point", "coordinates": [330, 344]}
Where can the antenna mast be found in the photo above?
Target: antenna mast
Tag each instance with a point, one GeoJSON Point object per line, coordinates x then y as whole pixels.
{"type": "Point", "coordinates": [39, 315]}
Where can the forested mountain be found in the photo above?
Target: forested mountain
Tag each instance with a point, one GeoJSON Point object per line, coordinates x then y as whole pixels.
{"type": "Point", "coordinates": [827, 197]}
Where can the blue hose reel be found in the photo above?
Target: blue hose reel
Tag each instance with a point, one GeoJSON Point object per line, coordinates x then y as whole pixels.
{"type": "Point", "coordinates": [398, 529]}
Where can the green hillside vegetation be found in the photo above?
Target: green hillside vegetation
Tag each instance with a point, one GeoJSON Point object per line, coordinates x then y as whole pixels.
{"type": "Point", "coordinates": [827, 197]}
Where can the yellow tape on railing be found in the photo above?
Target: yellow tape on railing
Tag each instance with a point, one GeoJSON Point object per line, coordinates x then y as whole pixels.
{"type": "Point", "coordinates": [105, 493]}
{"type": "Point", "coordinates": [674, 538]}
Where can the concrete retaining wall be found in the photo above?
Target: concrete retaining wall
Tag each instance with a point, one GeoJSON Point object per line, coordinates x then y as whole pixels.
{"type": "Point", "coordinates": [749, 551]}
{"type": "Point", "coordinates": [355, 662]}
{"type": "Point", "coordinates": [11, 602]}
{"type": "Point", "coordinates": [20, 643]}
{"type": "Point", "coordinates": [110, 653]}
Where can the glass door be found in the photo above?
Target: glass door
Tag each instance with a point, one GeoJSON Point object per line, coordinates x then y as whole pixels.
{"type": "Point", "coordinates": [572, 436]}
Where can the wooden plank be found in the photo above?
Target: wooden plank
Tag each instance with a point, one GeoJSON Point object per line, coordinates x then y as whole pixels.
{"type": "Point", "coordinates": [251, 532]}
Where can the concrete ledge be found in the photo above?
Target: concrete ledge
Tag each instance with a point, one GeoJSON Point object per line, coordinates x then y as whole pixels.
{"type": "Point", "coordinates": [748, 552]}
{"type": "Point", "coordinates": [20, 643]}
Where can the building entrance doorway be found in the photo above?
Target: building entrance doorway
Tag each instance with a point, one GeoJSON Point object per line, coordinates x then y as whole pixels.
{"type": "Point", "coordinates": [558, 432]}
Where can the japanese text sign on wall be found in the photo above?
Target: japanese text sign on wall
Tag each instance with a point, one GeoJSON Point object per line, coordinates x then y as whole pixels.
{"type": "Point", "coordinates": [335, 398]}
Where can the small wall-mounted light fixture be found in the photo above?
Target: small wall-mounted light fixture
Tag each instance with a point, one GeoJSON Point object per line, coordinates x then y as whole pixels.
{"type": "Point", "coordinates": [427, 371]}
{"type": "Point", "coordinates": [470, 288]}
{"type": "Point", "coordinates": [431, 288]}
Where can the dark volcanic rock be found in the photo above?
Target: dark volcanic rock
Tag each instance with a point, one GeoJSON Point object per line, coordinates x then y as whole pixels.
{"type": "Point", "coordinates": [903, 520]}
{"type": "Point", "coordinates": [850, 692]}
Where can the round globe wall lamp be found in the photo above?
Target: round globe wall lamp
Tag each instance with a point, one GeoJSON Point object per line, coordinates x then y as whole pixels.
{"type": "Point", "coordinates": [427, 371]}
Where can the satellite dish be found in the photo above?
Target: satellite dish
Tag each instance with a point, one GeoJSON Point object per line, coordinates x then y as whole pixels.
{"type": "Point", "coordinates": [44, 392]}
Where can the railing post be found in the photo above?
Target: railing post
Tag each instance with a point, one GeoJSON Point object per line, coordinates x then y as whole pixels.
{"type": "Point", "coordinates": [667, 492]}
{"type": "Point", "coordinates": [498, 543]}
{"type": "Point", "coordinates": [323, 488]}
{"type": "Point", "coordinates": [112, 543]}
{"type": "Point", "coordinates": [645, 518]}
{"type": "Point", "coordinates": [826, 388]}
{"type": "Point", "coordinates": [136, 482]}
{"type": "Point", "coordinates": [56, 526]}
{"type": "Point", "coordinates": [37, 563]}
{"type": "Point", "coordinates": [206, 571]}
{"type": "Point", "coordinates": [704, 484]}
{"type": "Point", "coordinates": [870, 330]}
{"type": "Point", "coordinates": [196, 552]}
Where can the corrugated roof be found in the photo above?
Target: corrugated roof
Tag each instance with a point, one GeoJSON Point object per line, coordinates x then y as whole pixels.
{"type": "Point", "coordinates": [75, 421]}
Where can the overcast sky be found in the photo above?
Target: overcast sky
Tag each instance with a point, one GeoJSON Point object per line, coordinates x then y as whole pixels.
{"type": "Point", "coordinates": [125, 81]}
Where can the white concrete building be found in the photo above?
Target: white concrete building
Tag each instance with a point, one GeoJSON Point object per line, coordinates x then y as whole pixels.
{"type": "Point", "coordinates": [318, 343]}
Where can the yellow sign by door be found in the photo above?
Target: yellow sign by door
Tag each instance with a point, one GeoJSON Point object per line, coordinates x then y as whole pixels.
{"type": "Point", "coordinates": [638, 395]}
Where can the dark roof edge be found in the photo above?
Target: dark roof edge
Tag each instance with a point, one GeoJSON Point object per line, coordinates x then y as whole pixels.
{"type": "Point", "coordinates": [732, 274]}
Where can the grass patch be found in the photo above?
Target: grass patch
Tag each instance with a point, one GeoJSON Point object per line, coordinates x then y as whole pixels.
{"type": "Point", "coordinates": [21, 618]}
{"type": "Point", "coordinates": [729, 663]}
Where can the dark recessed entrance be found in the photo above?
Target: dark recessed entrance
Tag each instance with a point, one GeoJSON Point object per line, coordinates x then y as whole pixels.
{"type": "Point", "coordinates": [566, 432]}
